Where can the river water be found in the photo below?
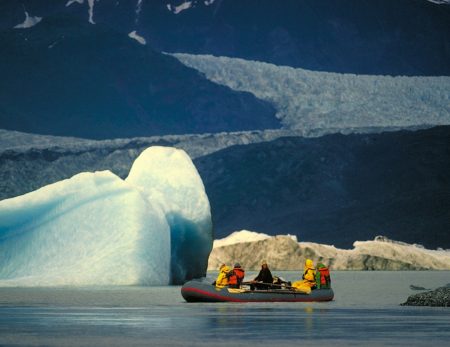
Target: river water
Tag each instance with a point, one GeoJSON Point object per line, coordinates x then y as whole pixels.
{"type": "Point", "coordinates": [365, 311]}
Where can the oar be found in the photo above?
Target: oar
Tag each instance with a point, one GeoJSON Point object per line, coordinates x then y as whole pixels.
{"type": "Point", "coordinates": [269, 284]}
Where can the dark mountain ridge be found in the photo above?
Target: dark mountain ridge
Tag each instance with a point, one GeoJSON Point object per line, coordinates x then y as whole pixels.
{"type": "Point", "coordinates": [67, 77]}
{"type": "Point", "coordinates": [335, 189]}
{"type": "Point", "coordinates": [402, 37]}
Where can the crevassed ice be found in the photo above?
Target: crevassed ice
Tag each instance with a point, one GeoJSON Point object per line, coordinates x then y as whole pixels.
{"type": "Point", "coordinates": [311, 100]}
{"type": "Point", "coordinates": [97, 229]}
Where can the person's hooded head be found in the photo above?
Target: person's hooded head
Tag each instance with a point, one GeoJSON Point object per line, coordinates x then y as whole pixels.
{"type": "Point", "coordinates": [309, 264]}
{"type": "Point", "coordinates": [321, 266]}
{"type": "Point", "coordinates": [224, 268]}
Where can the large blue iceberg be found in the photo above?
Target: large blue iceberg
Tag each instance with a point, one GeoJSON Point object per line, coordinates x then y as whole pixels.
{"type": "Point", "coordinates": [154, 228]}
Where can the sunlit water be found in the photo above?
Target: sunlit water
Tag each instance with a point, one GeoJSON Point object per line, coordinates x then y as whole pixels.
{"type": "Point", "coordinates": [365, 311]}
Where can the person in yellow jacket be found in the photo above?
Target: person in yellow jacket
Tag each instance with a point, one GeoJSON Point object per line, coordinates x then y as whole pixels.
{"type": "Point", "coordinates": [309, 278]}
{"type": "Point", "coordinates": [222, 277]}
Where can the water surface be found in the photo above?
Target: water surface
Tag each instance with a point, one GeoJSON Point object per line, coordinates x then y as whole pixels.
{"type": "Point", "coordinates": [365, 311]}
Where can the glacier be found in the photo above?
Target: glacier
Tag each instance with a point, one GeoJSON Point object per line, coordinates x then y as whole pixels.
{"type": "Point", "coordinates": [98, 229]}
{"type": "Point", "coordinates": [322, 100]}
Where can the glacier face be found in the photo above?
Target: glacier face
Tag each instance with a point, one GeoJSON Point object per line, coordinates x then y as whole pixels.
{"type": "Point", "coordinates": [283, 252]}
{"type": "Point", "coordinates": [97, 229]}
{"type": "Point", "coordinates": [309, 99]}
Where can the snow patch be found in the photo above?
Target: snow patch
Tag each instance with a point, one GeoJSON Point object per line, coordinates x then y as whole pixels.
{"type": "Point", "coordinates": [177, 9]}
{"type": "Point", "coordinates": [138, 11]}
{"type": "Point", "coordinates": [185, 5]}
{"type": "Point", "coordinates": [137, 37]}
{"type": "Point", "coordinates": [29, 22]}
{"type": "Point", "coordinates": [91, 11]}
{"type": "Point", "coordinates": [70, 2]}
{"type": "Point", "coordinates": [90, 7]}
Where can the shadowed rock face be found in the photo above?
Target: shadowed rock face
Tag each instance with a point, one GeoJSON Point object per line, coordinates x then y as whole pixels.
{"type": "Point", "coordinates": [438, 297]}
{"type": "Point", "coordinates": [67, 77]}
{"type": "Point", "coordinates": [335, 189]}
{"type": "Point", "coordinates": [402, 37]}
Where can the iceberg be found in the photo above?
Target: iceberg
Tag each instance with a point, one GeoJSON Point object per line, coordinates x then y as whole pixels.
{"type": "Point", "coordinates": [97, 229]}
{"type": "Point", "coordinates": [169, 178]}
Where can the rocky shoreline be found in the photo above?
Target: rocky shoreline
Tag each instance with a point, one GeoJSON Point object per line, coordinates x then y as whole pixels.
{"type": "Point", "coordinates": [437, 297]}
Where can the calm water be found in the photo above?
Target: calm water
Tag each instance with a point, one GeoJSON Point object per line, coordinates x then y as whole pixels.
{"type": "Point", "coordinates": [365, 311]}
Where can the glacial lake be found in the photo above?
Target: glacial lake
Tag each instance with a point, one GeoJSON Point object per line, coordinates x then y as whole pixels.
{"type": "Point", "coordinates": [366, 311]}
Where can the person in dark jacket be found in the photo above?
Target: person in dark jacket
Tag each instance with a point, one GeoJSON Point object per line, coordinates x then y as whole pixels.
{"type": "Point", "coordinates": [264, 278]}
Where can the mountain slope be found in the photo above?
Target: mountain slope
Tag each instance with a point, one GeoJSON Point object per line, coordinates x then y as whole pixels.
{"type": "Point", "coordinates": [67, 77]}
{"type": "Point", "coordinates": [335, 189]}
{"type": "Point", "coordinates": [28, 161]}
{"type": "Point", "coordinates": [402, 37]}
{"type": "Point", "coordinates": [384, 37]}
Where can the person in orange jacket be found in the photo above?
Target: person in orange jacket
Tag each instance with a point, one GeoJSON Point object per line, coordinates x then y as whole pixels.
{"type": "Point", "coordinates": [236, 276]}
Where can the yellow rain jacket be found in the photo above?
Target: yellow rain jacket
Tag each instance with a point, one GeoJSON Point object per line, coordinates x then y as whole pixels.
{"type": "Point", "coordinates": [309, 278]}
{"type": "Point", "coordinates": [222, 278]}
{"type": "Point", "coordinates": [309, 273]}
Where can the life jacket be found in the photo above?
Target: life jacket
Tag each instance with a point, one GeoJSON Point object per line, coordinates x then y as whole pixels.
{"type": "Point", "coordinates": [236, 276]}
{"type": "Point", "coordinates": [323, 277]}
{"type": "Point", "coordinates": [310, 276]}
{"type": "Point", "coordinates": [309, 273]}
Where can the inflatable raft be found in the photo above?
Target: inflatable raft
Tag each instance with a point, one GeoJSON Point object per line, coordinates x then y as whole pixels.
{"type": "Point", "coordinates": [201, 291]}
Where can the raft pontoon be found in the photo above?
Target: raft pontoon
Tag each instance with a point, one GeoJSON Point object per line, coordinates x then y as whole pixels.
{"type": "Point", "coordinates": [202, 291]}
